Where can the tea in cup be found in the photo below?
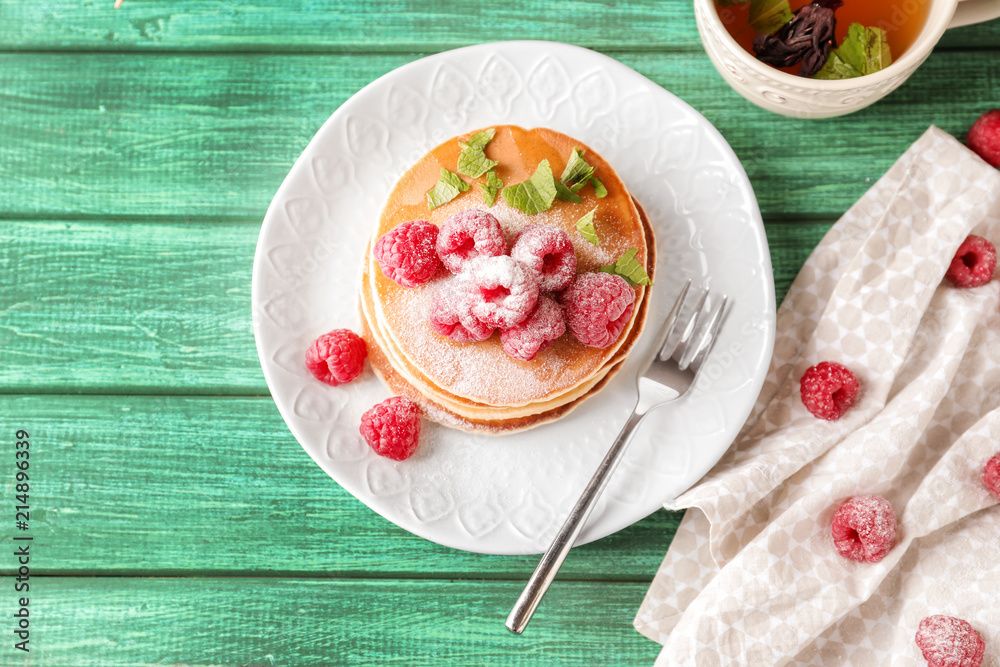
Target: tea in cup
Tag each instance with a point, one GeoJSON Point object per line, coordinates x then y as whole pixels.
{"type": "Point", "coordinates": [898, 36]}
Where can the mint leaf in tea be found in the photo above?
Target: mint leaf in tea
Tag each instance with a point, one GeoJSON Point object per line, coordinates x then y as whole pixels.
{"type": "Point", "coordinates": [865, 51]}
{"type": "Point", "coordinates": [768, 16]}
{"type": "Point", "coordinates": [814, 38]}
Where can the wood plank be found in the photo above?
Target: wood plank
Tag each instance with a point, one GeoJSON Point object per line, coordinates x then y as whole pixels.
{"type": "Point", "coordinates": [163, 307]}
{"type": "Point", "coordinates": [127, 307]}
{"type": "Point", "coordinates": [790, 244]}
{"type": "Point", "coordinates": [352, 25]}
{"type": "Point", "coordinates": [103, 622]}
{"type": "Point", "coordinates": [160, 485]}
{"type": "Point", "coordinates": [211, 136]}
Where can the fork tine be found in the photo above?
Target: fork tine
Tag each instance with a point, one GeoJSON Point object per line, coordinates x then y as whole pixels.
{"type": "Point", "coordinates": [670, 322]}
{"type": "Point", "coordinates": [685, 347]}
{"type": "Point", "coordinates": [711, 330]}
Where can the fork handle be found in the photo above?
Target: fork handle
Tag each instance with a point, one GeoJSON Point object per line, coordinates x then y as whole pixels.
{"type": "Point", "coordinates": [553, 558]}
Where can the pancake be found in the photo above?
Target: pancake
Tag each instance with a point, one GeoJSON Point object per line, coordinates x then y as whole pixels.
{"type": "Point", "coordinates": [477, 386]}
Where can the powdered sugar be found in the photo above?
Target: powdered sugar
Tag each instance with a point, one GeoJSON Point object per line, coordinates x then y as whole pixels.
{"type": "Point", "coordinates": [545, 324]}
{"type": "Point", "coordinates": [482, 371]}
{"type": "Point", "coordinates": [615, 237]}
{"type": "Point", "coordinates": [548, 252]}
{"type": "Point", "coordinates": [468, 235]}
{"type": "Point", "coordinates": [450, 314]}
{"type": "Point", "coordinates": [946, 641]}
{"type": "Point", "coordinates": [991, 475]}
{"type": "Point", "coordinates": [501, 292]}
{"type": "Point", "coordinates": [598, 306]}
{"type": "Point", "coordinates": [864, 528]}
{"type": "Point", "coordinates": [406, 253]}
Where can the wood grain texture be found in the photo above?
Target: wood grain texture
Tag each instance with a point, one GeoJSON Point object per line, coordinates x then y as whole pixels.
{"type": "Point", "coordinates": [213, 136]}
{"type": "Point", "coordinates": [352, 25]}
{"type": "Point", "coordinates": [139, 149]}
{"type": "Point", "coordinates": [127, 307]}
{"type": "Point", "coordinates": [164, 307]}
{"type": "Point", "coordinates": [105, 622]}
{"type": "Point", "coordinates": [791, 243]}
{"type": "Point", "coordinates": [160, 485]}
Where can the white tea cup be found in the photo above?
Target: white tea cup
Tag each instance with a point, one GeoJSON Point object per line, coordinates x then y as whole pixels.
{"type": "Point", "coordinates": [801, 97]}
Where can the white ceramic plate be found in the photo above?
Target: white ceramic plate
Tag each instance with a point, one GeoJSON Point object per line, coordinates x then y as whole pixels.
{"type": "Point", "coordinates": [509, 494]}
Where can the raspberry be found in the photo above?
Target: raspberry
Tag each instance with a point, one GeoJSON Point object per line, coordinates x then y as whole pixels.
{"type": "Point", "coordinates": [406, 253]}
{"type": "Point", "coordinates": [467, 235]}
{"type": "Point", "coordinates": [598, 306]}
{"type": "Point", "coordinates": [864, 528]}
{"type": "Point", "coordinates": [984, 137]}
{"type": "Point", "coordinates": [337, 357]}
{"type": "Point", "coordinates": [500, 291]}
{"type": "Point", "coordinates": [829, 390]}
{"type": "Point", "coordinates": [947, 641]}
{"type": "Point", "coordinates": [548, 252]}
{"type": "Point", "coordinates": [392, 428]}
{"type": "Point", "coordinates": [991, 475]}
{"type": "Point", "coordinates": [525, 340]}
{"type": "Point", "coordinates": [973, 264]}
{"type": "Point", "coordinates": [451, 315]}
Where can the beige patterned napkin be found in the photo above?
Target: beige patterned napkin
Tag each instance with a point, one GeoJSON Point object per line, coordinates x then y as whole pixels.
{"type": "Point", "coordinates": [752, 577]}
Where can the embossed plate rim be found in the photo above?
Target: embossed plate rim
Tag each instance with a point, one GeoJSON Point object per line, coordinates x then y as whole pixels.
{"type": "Point", "coordinates": [507, 494]}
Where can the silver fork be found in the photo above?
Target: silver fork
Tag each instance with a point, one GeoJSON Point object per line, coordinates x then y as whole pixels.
{"type": "Point", "coordinates": [665, 375]}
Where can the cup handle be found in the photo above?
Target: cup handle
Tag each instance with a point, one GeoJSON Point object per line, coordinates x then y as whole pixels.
{"type": "Point", "coordinates": [975, 11]}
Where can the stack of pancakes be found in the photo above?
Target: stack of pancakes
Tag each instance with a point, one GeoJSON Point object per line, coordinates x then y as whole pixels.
{"type": "Point", "coordinates": [477, 386]}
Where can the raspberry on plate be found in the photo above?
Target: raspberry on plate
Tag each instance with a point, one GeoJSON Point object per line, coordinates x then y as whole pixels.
{"type": "Point", "coordinates": [392, 428]}
{"type": "Point", "coordinates": [451, 315]}
{"type": "Point", "coordinates": [407, 254]}
{"type": "Point", "coordinates": [525, 340]}
{"type": "Point", "coordinates": [973, 264]}
{"type": "Point", "coordinates": [500, 291]}
{"type": "Point", "coordinates": [947, 641]}
{"type": "Point", "coordinates": [829, 390]}
{"type": "Point", "coordinates": [337, 357]}
{"type": "Point", "coordinates": [548, 251]}
{"type": "Point", "coordinates": [598, 306]}
{"type": "Point", "coordinates": [991, 475]}
{"type": "Point", "coordinates": [864, 528]}
{"type": "Point", "coordinates": [984, 137]}
{"type": "Point", "coordinates": [467, 235]}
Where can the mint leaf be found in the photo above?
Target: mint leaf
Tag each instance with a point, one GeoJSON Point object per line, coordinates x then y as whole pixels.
{"type": "Point", "coordinates": [599, 188]}
{"type": "Point", "coordinates": [576, 169]}
{"type": "Point", "coordinates": [535, 194]}
{"type": "Point", "coordinates": [767, 16]}
{"type": "Point", "coordinates": [567, 194]}
{"type": "Point", "coordinates": [491, 187]}
{"type": "Point", "coordinates": [472, 161]}
{"type": "Point", "coordinates": [585, 226]}
{"type": "Point", "coordinates": [836, 68]}
{"type": "Point", "coordinates": [446, 189]}
{"type": "Point", "coordinates": [877, 53]}
{"type": "Point", "coordinates": [629, 268]}
{"type": "Point", "coordinates": [479, 139]}
{"type": "Point", "coordinates": [852, 51]}
{"type": "Point", "coordinates": [864, 51]}
{"type": "Point", "coordinates": [577, 174]}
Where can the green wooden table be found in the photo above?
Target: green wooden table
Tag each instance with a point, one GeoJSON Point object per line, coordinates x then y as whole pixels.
{"type": "Point", "coordinates": [174, 518]}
